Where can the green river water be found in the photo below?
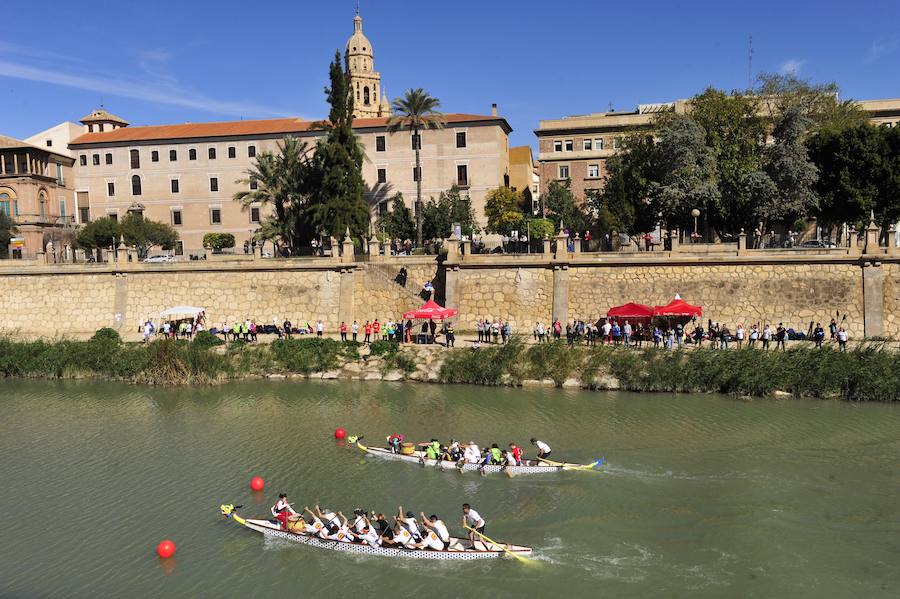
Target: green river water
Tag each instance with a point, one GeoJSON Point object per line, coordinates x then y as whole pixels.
{"type": "Point", "coordinates": [703, 496]}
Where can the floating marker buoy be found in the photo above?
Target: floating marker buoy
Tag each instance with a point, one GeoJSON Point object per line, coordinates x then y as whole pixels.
{"type": "Point", "coordinates": [165, 549]}
{"type": "Point", "coordinates": [257, 483]}
{"type": "Point", "coordinates": [340, 433]}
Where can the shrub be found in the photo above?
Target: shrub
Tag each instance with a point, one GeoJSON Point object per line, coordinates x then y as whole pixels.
{"type": "Point", "coordinates": [218, 241]}
{"type": "Point", "coordinates": [107, 334]}
{"type": "Point", "coordinates": [482, 366]}
{"type": "Point", "coordinates": [316, 354]}
{"type": "Point", "coordinates": [205, 339]}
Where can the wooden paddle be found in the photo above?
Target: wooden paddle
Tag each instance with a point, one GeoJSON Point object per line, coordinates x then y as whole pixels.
{"type": "Point", "coordinates": [570, 466]}
{"type": "Point", "coordinates": [522, 559]}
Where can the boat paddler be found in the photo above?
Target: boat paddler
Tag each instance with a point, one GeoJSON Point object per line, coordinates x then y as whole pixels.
{"type": "Point", "coordinates": [437, 525]}
{"type": "Point", "coordinates": [472, 455]}
{"type": "Point", "coordinates": [543, 449]}
{"type": "Point", "coordinates": [282, 510]}
{"type": "Point", "coordinates": [332, 525]}
{"type": "Point", "coordinates": [472, 519]}
{"type": "Point", "coordinates": [433, 450]}
{"type": "Point", "coordinates": [496, 455]}
{"type": "Point", "coordinates": [410, 524]}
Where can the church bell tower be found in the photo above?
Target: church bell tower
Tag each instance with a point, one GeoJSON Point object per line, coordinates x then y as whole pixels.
{"type": "Point", "coordinates": [369, 99]}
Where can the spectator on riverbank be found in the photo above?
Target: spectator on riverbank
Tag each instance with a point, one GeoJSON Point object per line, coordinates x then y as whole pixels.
{"type": "Point", "coordinates": [367, 332]}
{"type": "Point", "coordinates": [842, 339]}
{"type": "Point", "coordinates": [354, 330]}
{"type": "Point", "coordinates": [320, 328]}
{"type": "Point", "coordinates": [833, 329]}
{"type": "Point", "coordinates": [739, 335]}
{"type": "Point", "coordinates": [343, 330]}
{"type": "Point", "coordinates": [626, 334]}
{"type": "Point", "coordinates": [781, 337]}
{"type": "Point", "coordinates": [288, 328]}
{"type": "Point", "coordinates": [819, 335]}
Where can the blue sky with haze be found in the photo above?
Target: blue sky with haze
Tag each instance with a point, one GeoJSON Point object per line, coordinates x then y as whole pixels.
{"type": "Point", "coordinates": [170, 62]}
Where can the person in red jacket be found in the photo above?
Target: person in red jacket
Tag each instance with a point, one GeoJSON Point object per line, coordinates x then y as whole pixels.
{"type": "Point", "coordinates": [376, 329]}
{"type": "Point", "coordinates": [343, 331]}
{"type": "Point", "coordinates": [367, 329]}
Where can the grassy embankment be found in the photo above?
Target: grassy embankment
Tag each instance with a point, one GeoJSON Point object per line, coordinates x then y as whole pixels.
{"type": "Point", "coordinates": [867, 373]}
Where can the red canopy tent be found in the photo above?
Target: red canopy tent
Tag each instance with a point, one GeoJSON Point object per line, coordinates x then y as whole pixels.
{"type": "Point", "coordinates": [431, 309]}
{"type": "Point", "coordinates": [678, 307]}
{"type": "Point", "coordinates": [630, 311]}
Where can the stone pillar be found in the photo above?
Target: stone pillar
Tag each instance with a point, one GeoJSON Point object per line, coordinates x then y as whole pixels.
{"type": "Point", "coordinates": [872, 230]}
{"type": "Point", "coordinates": [452, 286]}
{"type": "Point", "coordinates": [335, 249]}
{"type": "Point", "coordinates": [79, 255]}
{"type": "Point", "coordinates": [347, 254]}
{"type": "Point", "coordinates": [673, 240]}
{"type": "Point", "coordinates": [345, 303]}
{"type": "Point", "coordinates": [547, 246]}
{"type": "Point", "coordinates": [374, 250]}
{"type": "Point", "coordinates": [386, 248]}
{"type": "Point", "coordinates": [742, 243]}
{"type": "Point", "coordinates": [873, 299]}
{"type": "Point", "coordinates": [892, 248]}
{"type": "Point", "coordinates": [122, 252]}
{"type": "Point", "coordinates": [560, 293]}
{"type": "Point", "coordinates": [577, 246]}
{"type": "Point", "coordinates": [453, 248]}
{"type": "Point", "coordinates": [853, 243]}
{"type": "Point", "coordinates": [466, 247]}
{"type": "Point", "coordinates": [562, 251]}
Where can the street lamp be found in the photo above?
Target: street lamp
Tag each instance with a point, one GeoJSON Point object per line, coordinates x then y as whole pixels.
{"type": "Point", "coordinates": [695, 213]}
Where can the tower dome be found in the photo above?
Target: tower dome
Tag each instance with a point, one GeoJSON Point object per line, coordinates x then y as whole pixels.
{"type": "Point", "coordinates": [365, 81]}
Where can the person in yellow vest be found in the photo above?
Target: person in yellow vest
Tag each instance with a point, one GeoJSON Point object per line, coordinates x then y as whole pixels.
{"type": "Point", "coordinates": [451, 334]}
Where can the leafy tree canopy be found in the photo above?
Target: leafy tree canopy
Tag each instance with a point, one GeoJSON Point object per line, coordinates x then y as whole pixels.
{"type": "Point", "coordinates": [100, 233]}
{"type": "Point", "coordinates": [561, 207]}
{"type": "Point", "coordinates": [503, 209]}
{"type": "Point", "coordinates": [218, 241]}
{"type": "Point", "coordinates": [399, 222]}
{"type": "Point", "coordinates": [452, 207]}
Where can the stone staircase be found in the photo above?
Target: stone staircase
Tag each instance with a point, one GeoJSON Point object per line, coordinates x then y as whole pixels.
{"type": "Point", "coordinates": [388, 274]}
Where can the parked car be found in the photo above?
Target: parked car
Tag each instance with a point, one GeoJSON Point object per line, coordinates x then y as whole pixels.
{"type": "Point", "coordinates": [817, 243]}
{"type": "Point", "coordinates": [159, 258]}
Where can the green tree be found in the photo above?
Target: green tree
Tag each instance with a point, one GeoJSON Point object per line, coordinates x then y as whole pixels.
{"type": "Point", "coordinates": [218, 241]}
{"type": "Point", "coordinates": [282, 181]}
{"type": "Point", "coordinates": [100, 233]}
{"type": "Point", "coordinates": [819, 102]}
{"type": "Point", "coordinates": [337, 202]}
{"type": "Point", "coordinates": [452, 207]}
{"type": "Point", "coordinates": [416, 110]}
{"type": "Point", "coordinates": [561, 207]}
{"type": "Point", "coordinates": [503, 209]}
{"type": "Point", "coordinates": [145, 233]}
{"type": "Point", "coordinates": [735, 133]}
{"type": "Point", "coordinates": [6, 233]}
{"type": "Point", "coordinates": [398, 222]}
{"type": "Point", "coordinates": [687, 176]}
{"type": "Point", "coordinates": [539, 228]}
{"type": "Point", "coordinates": [624, 204]}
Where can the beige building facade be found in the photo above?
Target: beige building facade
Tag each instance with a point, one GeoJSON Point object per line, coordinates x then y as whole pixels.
{"type": "Point", "coordinates": [577, 147]}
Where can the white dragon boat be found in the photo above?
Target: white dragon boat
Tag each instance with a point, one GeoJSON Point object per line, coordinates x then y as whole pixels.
{"type": "Point", "coordinates": [458, 549]}
{"type": "Point", "coordinates": [529, 466]}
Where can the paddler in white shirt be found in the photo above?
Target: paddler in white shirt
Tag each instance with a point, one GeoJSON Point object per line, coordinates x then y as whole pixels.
{"type": "Point", "coordinates": [410, 524]}
{"type": "Point", "coordinates": [437, 526]}
{"type": "Point", "coordinates": [472, 455]}
{"type": "Point", "coordinates": [543, 449]}
{"type": "Point", "coordinates": [472, 519]}
{"type": "Point", "coordinates": [282, 510]}
{"type": "Point", "coordinates": [332, 524]}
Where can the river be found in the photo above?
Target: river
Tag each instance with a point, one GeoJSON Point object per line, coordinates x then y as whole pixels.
{"type": "Point", "coordinates": [703, 495]}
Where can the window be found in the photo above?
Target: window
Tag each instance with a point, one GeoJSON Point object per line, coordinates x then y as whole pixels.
{"type": "Point", "coordinates": [49, 143]}
{"type": "Point", "coordinates": [570, 145]}
{"type": "Point", "coordinates": [460, 139]}
{"type": "Point", "coordinates": [557, 146]}
{"type": "Point", "coordinates": [154, 156]}
{"type": "Point", "coordinates": [179, 247]}
{"type": "Point", "coordinates": [416, 142]}
{"type": "Point", "coordinates": [593, 171]}
{"type": "Point", "coordinates": [176, 218]}
{"type": "Point", "coordinates": [588, 145]}
{"type": "Point", "coordinates": [212, 153]}
{"type": "Point", "coordinates": [232, 152]}
{"type": "Point", "coordinates": [251, 151]}
{"type": "Point", "coordinates": [108, 158]}
{"type": "Point", "coordinates": [598, 143]}
{"type": "Point", "coordinates": [215, 216]}
{"type": "Point", "coordinates": [135, 185]}
{"type": "Point", "coordinates": [417, 173]}
{"type": "Point", "coordinates": [462, 175]}
{"type": "Point", "coordinates": [95, 159]}
{"type": "Point", "coordinates": [192, 154]}
{"type": "Point", "coordinates": [563, 172]}
{"type": "Point", "coordinates": [81, 159]}
{"type": "Point", "coordinates": [173, 155]}
{"type": "Point", "coordinates": [60, 179]}
{"type": "Point", "coordinates": [90, 128]}
{"type": "Point", "coordinates": [379, 143]}
{"type": "Point", "coordinates": [62, 209]}
{"type": "Point", "coordinates": [101, 127]}
{"type": "Point", "coordinates": [4, 203]}
{"type": "Point", "coordinates": [253, 184]}
{"type": "Point", "coordinates": [254, 214]}
{"type": "Point", "coordinates": [174, 185]}
{"type": "Point", "coordinates": [382, 175]}
{"type": "Point", "coordinates": [617, 142]}
{"type": "Point", "coordinates": [43, 209]}
{"type": "Point", "coordinates": [84, 215]}
{"type": "Point", "coordinates": [113, 216]}
{"type": "Point", "coordinates": [111, 189]}
{"type": "Point", "coordinates": [366, 94]}
{"type": "Point", "coordinates": [214, 184]}
{"type": "Point", "coordinates": [135, 159]}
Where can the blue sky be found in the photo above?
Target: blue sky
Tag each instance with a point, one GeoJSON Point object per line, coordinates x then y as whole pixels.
{"type": "Point", "coordinates": [169, 62]}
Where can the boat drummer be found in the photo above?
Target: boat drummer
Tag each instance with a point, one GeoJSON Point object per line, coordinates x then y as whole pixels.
{"type": "Point", "coordinates": [282, 510]}
{"type": "Point", "coordinates": [543, 449]}
{"type": "Point", "coordinates": [472, 519]}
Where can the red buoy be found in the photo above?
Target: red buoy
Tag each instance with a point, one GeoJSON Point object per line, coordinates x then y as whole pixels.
{"type": "Point", "coordinates": [165, 549]}
{"type": "Point", "coordinates": [257, 483]}
{"type": "Point", "coordinates": [340, 433]}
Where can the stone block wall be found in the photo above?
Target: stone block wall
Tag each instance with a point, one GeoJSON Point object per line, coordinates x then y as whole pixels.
{"type": "Point", "coordinates": [57, 304]}
{"type": "Point", "coordinates": [522, 296]}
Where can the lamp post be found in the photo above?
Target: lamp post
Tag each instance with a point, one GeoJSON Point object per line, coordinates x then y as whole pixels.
{"type": "Point", "coordinates": [695, 213]}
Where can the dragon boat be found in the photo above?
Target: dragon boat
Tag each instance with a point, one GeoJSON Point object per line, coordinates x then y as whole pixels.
{"type": "Point", "coordinates": [458, 549]}
{"type": "Point", "coordinates": [528, 467]}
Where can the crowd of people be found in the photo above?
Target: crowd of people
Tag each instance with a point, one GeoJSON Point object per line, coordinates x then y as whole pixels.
{"type": "Point", "coordinates": [373, 528]}
{"type": "Point", "coordinates": [493, 331]}
{"type": "Point", "coordinates": [469, 453]}
{"type": "Point", "coordinates": [671, 334]}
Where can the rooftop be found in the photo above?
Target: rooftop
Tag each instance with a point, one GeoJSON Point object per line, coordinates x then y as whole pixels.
{"type": "Point", "coordinates": [102, 115]}
{"type": "Point", "coordinates": [282, 126]}
{"type": "Point", "coordinates": [11, 143]}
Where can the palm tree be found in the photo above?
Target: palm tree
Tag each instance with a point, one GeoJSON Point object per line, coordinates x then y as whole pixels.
{"type": "Point", "coordinates": [416, 110]}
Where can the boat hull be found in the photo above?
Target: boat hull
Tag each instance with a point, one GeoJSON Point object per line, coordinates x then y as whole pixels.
{"type": "Point", "coordinates": [490, 551]}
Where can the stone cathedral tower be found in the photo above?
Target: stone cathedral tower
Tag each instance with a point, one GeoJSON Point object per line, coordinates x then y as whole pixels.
{"type": "Point", "coordinates": [369, 99]}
